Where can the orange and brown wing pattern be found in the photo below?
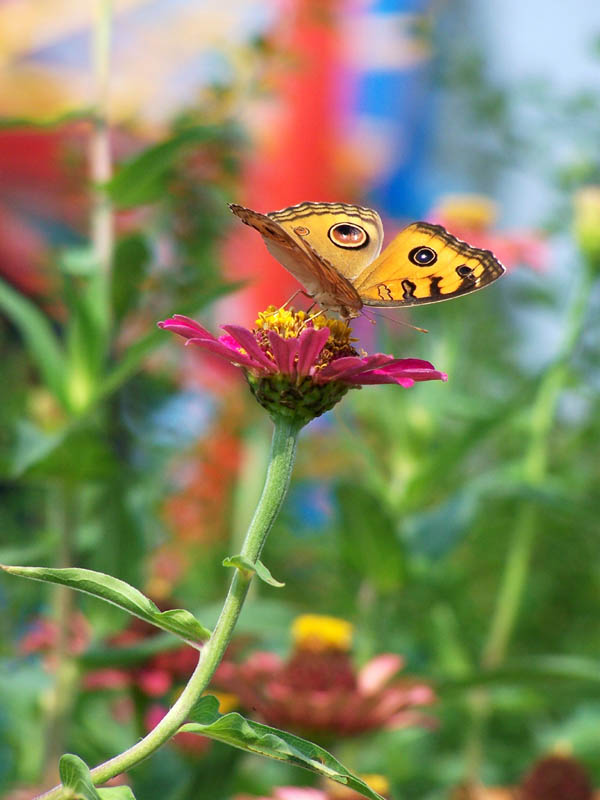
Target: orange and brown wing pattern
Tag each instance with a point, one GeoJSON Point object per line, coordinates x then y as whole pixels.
{"type": "Point", "coordinates": [318, 276]}
{"type": "Point", "coordinates": [426, 264]}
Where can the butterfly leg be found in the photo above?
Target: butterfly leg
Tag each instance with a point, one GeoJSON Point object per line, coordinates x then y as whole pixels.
{"type": "Point", "coordinates": [310, 318]}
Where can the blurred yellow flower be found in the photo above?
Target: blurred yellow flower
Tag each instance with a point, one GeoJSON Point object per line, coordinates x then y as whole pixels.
{"type": "Point", "coordinates": [317, 633]}
{"type": "Point", "coordinates": [472, 211]}
{"type": "Point", "coordinates": [586, 222]}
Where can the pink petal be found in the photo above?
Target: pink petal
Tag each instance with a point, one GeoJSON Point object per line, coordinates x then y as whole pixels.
{"type": "Point", "coordinates": [378, 671]}
{"type": "Point", "coordinates": [245, 338]}
{"type": "Point", "coordinates": [295, 793]}
{"type": "Point", "coordinates": [376, 377]}
{"type": "Point", "coordinates": [399, 373]}
{"type": "Point", "coordinates": [344, 368]}
{"type": "Point", "coordinates": [232, 354]}
{"type": "Point", "coordinates": [284, 351]}
{"type": "Point", "coordinates": [186, 327]}
{"type": "Point", "coordinates": [407, 364]}
{"type": "Point", "coordinates": [311, 343]}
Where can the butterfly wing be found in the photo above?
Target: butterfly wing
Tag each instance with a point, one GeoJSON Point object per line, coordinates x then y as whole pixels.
{"type": "Point", "coordinates": [426, 264]}
{"type": "Point", "coordinates": [318, 276]}
{"type": "Point", "coordinates": [348, 236]}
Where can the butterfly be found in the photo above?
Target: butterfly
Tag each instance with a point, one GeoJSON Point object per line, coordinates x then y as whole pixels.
{"type": "Point", "coordinates": [334, 251]}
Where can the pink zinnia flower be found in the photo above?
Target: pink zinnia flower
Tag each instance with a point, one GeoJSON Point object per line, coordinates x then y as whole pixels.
{"type": "Point", "coordinates": [319, 693]}
{"type": "Point", "coordinates": [301, 367]}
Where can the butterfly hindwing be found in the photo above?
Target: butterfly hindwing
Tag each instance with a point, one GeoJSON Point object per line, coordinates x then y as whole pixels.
{"type": "Point", "coordinates": [426, 264]}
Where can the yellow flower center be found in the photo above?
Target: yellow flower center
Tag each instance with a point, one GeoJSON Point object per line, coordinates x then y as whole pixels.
{"type": "Point", "coordinates": [289, 323]}
{"type": "Point", "coordinates": [378, 783]}
{"type": "Point", "coordinates": [227, 701]}
{"type": "Point", "coordinates": [318, 633]}
{"type": "Point", "coordinates": [468, 211]}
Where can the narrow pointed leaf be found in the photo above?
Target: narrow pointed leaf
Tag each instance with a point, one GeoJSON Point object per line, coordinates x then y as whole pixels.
{"type": "Point", "coordinates": [143, 178]}
{"type": "Point", "coordinates": [235, 730]}
{"type": "Point", "coordinates": [250, 567]}
{"type": "Point", "coordinates": [132, 359]}
{"type": "Point", "coordinates": [40, 340]}
{"type": "Point", "coordinates": [178, 621]}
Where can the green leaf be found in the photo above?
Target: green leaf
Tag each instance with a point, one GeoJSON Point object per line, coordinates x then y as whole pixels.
{"type": "Point", "coordinates": [253, 737]}
{"type": "Point", "coordinates": [131, 261]}
{"type": "Point", "coordinates": [40, 340]}
{"type": "Point", "coordinates": [116, 793]}
{"type": "Point", "coordinates": [76, 451]}
{"type": "Point", "coordinates": [31, 446]}
{"type": "Point", "coordinates": [143, 179]}
{"type": "Point", "coordinates": [534, 670]}
{"type": "Point", "coordinates": [178, 621]}
{"type": "Point", "coordinates": [53, 121]}
{"type": "Point", "coordinates": [81, 262]}
{"type": "Point", "coordinates": [131, 361]}
{"type": "Point", "coordinates": [368, 538]}
{"type": "Point", "coordinates": [76, 777]}
{"type": "Point", "coordinates": [435, 532]}
{"type": "Point", "coordinates": [251, 567]}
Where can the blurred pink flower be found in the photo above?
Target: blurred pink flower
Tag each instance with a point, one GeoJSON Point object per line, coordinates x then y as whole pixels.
{"type": "Point", "coordinates": [318, 691]}
{"type": "Point", "coordinates": [42, 637]}
{"type": "Point", "coordinates": [289, 793]}
{"type": "Point", "coordinates": [472, 218]}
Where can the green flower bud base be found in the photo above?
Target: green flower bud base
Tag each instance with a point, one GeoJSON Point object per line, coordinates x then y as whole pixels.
{"type": "Point", "coordinates": [301, 400]}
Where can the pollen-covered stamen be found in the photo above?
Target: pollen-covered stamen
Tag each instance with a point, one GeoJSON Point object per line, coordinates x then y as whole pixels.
{"type": "Point", "coordinates": [289, 324]}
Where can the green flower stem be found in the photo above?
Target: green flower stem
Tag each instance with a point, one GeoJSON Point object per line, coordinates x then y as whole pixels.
{"type": "Point", "coordinates": [534, 470]}
{"type": "Point", "coordinates": [65, 501]}
{"type": "Point", "coordinates": [516, 568]}
{"type": "Point", "coordinates": [279, 470]}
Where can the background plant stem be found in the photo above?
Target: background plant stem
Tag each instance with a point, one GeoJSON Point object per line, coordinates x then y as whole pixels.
{"type": "Point", "coordinates": [102, 234]}
{"type": "Point", "coordinates": [283, 454]}
{"type": "Point", "coordinates": [65, 670]}
{"type": "Point", "coordinates": [516, 568]}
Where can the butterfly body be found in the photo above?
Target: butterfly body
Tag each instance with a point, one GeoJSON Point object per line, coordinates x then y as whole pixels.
{"type": "Point", "coordinates": [334, 251]}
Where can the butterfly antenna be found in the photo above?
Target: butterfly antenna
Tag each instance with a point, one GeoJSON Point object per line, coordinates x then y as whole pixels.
{"type": "Point", "coordinates": [394, 321]}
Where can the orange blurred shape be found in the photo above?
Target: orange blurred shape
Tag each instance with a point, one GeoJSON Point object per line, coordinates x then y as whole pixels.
{"type": "Point", "coordinates": [296, 139]}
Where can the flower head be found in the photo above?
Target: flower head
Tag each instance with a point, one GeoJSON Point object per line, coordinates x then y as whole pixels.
{"type": "Point", "coordinates": [333, 791]}
{"type": "Point", "coordinates": [318, 691]}
{"type": "Point", "coordinates": [557, 777]}
{"type": "Point", "coordinates": [299, 366]}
